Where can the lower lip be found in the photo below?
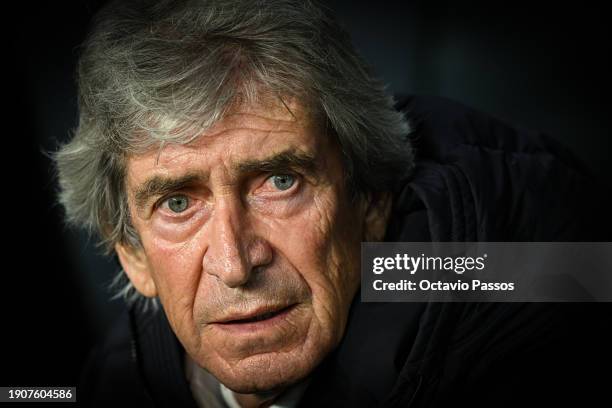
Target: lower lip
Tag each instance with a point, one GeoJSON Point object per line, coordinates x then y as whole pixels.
{"type": "Point", "coordinates": [249, 327]}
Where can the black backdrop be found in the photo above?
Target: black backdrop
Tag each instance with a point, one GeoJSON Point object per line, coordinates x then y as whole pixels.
{"type": "Point", "coordinates": [540, 65]}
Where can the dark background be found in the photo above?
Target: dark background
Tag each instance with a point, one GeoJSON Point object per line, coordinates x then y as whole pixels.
{"type": "Point", "coordinates": [540, 65]}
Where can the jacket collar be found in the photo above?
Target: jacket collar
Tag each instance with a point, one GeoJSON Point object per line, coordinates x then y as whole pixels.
{"type": "Point", "coordinates": [160, 359]}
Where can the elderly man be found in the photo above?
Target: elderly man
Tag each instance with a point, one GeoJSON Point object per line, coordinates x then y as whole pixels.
{"type": "Point", "coordinates": [234, 155]}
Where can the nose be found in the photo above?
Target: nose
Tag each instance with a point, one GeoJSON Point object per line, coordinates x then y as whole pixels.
{"type": "Point", "coordinates": [234, 252]}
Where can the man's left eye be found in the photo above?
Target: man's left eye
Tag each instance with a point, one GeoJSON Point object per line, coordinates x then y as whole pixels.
{"type": "Point", "coordinates": [283, 181]}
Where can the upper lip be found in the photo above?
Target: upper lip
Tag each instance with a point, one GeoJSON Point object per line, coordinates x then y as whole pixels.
{"type": "Point", "coordinates": [235, 316]}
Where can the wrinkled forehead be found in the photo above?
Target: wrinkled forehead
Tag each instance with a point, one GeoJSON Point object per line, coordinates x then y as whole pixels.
{"type": "Point", "coordinates": [247, 133]}
{"type": "Point", "coordinates": [267, 114]}
{"type": "Point", "coordinates": [263, 110]}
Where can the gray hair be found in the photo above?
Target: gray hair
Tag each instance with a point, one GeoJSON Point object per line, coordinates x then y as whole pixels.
{"type": "Point", "coordinates": [157, 72]}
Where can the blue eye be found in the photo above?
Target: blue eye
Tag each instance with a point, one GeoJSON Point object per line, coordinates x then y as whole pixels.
{"type": "Point", "coordinates": [178, 203]}
{"type": "Point", "coordinates": [283, 181]}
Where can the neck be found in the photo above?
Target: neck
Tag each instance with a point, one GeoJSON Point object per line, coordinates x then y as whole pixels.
{"type": "Point", "coordinates": [258, 400]}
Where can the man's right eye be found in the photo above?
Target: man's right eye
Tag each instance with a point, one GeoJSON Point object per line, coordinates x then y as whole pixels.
{"type": "Point", "coordinates": [177, 203]}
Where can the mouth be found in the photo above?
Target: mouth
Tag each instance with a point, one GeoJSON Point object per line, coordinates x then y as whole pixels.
{"type": "Point", "coordinates": [256, 319]}
{"type": "Point", "coordinates": [256, 316]}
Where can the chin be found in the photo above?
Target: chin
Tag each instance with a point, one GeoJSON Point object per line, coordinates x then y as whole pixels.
{"type": "Point", "coordinates": [267, 372]}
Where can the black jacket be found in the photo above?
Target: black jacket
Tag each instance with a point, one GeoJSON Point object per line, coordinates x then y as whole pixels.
{"type": "Point", "coordinates": [476, 179]}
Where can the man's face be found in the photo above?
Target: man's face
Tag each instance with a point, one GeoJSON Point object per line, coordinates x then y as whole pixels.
{"type": "Point", "coordinates": [251, 244]}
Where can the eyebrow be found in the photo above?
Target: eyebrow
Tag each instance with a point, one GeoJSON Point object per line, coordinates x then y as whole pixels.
{"type": "Point", "coordinates": [162, 185]}
{"type": "Point", "coordinates": [283, 161]}
{"type": "Point", "coordinates": [291, 159]}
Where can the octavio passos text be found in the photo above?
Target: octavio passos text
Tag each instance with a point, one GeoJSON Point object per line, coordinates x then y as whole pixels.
{"type": "Point", "coordinates": [413, 264]}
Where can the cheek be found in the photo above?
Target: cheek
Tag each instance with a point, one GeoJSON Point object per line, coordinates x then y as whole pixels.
{"type": "Point", "coordinates": [176, 272]}
{"type": "Point", "coordinates": [322, 247]}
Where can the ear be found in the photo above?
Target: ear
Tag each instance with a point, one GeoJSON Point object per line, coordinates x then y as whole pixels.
{"type": "Point", "coordinates": [135, 264]}
{"type": "Point", "coordinates": [376, 217]}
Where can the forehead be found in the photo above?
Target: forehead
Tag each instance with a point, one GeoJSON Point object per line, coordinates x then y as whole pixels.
{"type": "Point", "coordinates": [247, 133]}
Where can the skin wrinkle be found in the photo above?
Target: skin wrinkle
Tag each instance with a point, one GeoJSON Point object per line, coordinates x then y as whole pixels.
{"type": "Point", "coordinates": [252, 245]}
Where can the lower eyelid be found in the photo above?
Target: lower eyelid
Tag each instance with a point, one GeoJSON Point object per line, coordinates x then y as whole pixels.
{"type": "Point", "coordinates": [171, 216]}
